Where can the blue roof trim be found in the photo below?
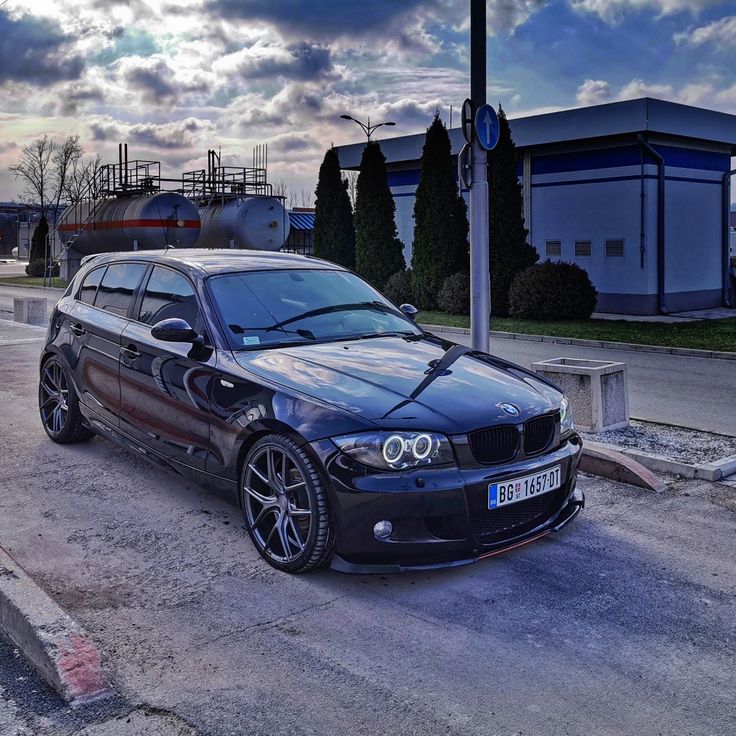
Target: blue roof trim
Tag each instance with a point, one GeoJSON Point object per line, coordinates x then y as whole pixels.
{"type": "Point", "coordinates": [302, 220]}
{"type": "Point", "coordinates": [609, 158]}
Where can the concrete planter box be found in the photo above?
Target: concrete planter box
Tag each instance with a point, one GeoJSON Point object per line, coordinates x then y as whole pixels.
{"type": "Point", "coordinates": [597, 390]}
{"type": "Point", "coordinates": [29, 311]}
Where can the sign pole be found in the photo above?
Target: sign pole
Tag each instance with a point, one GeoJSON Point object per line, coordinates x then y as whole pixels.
{"type": "Point", "coordinates": [480, 285]}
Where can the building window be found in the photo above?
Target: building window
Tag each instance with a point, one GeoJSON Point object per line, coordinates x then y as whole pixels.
{"type": "Point", "coordinates": [583, 248]}
{"type": "Point", "coordinates": [615, 248]}
{"type": "Point", "coordinates": [553, 248]}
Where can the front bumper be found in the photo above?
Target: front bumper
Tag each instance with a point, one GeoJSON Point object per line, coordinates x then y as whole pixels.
{"type": "Point", "coordinates": [440, 515]}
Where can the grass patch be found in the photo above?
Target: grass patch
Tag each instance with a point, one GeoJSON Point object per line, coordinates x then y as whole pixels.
{"type": "Point", "coordinates": [56, 282]}
{"type": "Point", "coordinates": [714, 334]}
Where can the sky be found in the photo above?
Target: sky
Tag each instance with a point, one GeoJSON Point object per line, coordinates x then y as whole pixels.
{"type": "Point", "coordinates": [174, 78]}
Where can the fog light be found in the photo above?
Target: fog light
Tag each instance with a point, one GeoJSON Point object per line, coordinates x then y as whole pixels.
{"type": "Point", "coordinates": [383, 529]}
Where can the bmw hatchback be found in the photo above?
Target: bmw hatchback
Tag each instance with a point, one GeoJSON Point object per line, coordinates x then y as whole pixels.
{"type": "Point", "coordinates": [345, 433]}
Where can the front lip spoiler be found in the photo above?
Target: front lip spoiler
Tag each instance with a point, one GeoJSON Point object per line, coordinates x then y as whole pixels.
{"type": "Point", "coordinates": [568, 513]}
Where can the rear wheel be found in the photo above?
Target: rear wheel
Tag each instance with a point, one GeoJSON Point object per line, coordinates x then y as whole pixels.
{"type": "Point", "coordinates": [285, 506]}
{"type": "Point", "coordinates": [59, 406]}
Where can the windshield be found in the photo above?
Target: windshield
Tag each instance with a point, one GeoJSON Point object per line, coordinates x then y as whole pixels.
{"type": "Point", "coordinates": [270, 308]}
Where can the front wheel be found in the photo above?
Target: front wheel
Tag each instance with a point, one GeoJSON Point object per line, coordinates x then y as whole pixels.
{"type": "Point", "coordinates": [285, 506]}
{"type": "Point", "coordinates": [59, 406]}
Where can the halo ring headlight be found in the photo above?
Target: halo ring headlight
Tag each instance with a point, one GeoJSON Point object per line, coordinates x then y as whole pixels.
{"type": "Point", "coordinates": [421, 447]}
{"type": "Point", "coordinates": [393, 448]}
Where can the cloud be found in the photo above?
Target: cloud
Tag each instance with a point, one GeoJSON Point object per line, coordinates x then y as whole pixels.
{"type": "Point", "coordinates": [719, 33]}
{"type": "Point", "coordinates": [613, 11]}
{"type": "Point", "coordinates": [293, 143]}
{"type": "Point", "coordinates": [157, 81]}
{"type": "Point", "coordinates": [593, 92]}
{"type": "Point", "coordinates": [299, 61]}
{"type": "Point", "coordinates": [323, 19]}
{"type": "Point", "coordinates": [32, 50]}
{"type": "Point", "coordinates": [181, 134]}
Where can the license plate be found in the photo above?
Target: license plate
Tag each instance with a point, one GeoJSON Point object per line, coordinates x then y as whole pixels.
{"type": "Point", "coordinates": [519, 489]}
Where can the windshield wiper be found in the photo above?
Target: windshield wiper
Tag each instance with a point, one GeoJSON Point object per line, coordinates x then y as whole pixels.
{"type": "Point", "coordinates": [239, 330]}
{"type": "Point", "coordinates": [380, 306]}
{"type": "Point", "coordinates": [406, 335]}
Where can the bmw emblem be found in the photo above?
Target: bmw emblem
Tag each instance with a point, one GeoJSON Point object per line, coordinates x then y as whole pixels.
{"type": "Point", "coordinates": [510, 409]}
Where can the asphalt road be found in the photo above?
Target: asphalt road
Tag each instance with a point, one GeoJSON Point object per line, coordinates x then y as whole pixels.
{"type": "Point", "coordinates": [688, 392]}
{"type": "Point", "coordinates": [625, 623]}
{"type": "Point", "coordinates": [673, 389]}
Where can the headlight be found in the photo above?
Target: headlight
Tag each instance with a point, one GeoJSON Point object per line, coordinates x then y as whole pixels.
{"type": "Point", "coordinates": [397, 450]}
{"type": "Point", "coordinates": [566, 422]}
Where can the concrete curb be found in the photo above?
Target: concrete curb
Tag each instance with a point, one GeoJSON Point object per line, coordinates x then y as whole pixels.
{"type": "Point", "coordinates": [714, 471]}
{"type": "Point", "coordinates": [48, 289]}
{"type": "Point", "coordinates": [598, 459]}
{"type": "Point", "coordinates": [49, 639]}
{"type": "Point", "coordinates": [691, 353]}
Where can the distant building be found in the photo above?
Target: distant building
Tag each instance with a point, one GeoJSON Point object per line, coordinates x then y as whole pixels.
{"type": "Point", "coordinates": [591, 197]}
{"type": "Point", "coordinates": [300, 238]}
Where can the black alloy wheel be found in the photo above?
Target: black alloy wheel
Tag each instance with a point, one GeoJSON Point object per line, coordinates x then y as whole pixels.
{"type": "Point", "coordinates": [285, 506]}
{"type": "Point", "coordinates": [59, 406]}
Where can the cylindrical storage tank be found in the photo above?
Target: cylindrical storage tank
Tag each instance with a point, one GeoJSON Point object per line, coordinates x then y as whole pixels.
{"type": "Point", "coordinates": [249, 223]}
{"type": "Point", "coordinates": [148, 222]}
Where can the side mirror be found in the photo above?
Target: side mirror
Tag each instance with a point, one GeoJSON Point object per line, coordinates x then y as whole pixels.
{"type": "Point", "coordinates": [174, 330]}
{"type": "Point", "coordinates": [409, 311]}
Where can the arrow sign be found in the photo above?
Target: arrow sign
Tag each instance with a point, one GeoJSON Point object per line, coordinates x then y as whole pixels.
{"type": "Point", "coordinates": [486, 127]}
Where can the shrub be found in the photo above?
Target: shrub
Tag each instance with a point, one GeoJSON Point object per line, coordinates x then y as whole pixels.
{"type": "Point", "coordinates": [454, 296]}
{"type": "Point", "coordinates": [398, 288]}
{"type": "Point", "coordinates": [37, 268]}
{"type": "Point", "coordinates": [552, 290]}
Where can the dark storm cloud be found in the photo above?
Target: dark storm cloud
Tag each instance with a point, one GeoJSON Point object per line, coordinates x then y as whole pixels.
{"type": "Point", "coordinates": [320, 18]}
{"type": "Point", "coordinates": [169, 136]}
{"type": "Point", "coordinates": [153, 80]}
{"type": "Point", "coordinates": [32, 50]}
{"type": "Point", "coordinates": [302, 61]}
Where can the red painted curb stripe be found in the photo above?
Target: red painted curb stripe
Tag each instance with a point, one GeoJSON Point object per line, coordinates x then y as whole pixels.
{"type": "Point", "coordinates": [117, 224]}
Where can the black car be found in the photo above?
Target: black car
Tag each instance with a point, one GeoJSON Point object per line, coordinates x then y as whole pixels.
{"type": "Point", "coordinates": [345, 433]}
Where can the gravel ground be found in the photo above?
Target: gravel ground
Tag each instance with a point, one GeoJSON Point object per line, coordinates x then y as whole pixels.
{"type": "Point", "coordinates": [621, 625]}
{"type": "Point", "coordinates": [676, 443]}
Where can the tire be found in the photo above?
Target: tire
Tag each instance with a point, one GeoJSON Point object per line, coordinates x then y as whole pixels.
{"type": "Point", "coordinates": [58, 405]}
{"type": "Point", "coordinates": [288, 522]}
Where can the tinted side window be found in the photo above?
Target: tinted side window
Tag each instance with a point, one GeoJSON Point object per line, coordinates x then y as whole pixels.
{"type": "Point", "coordinates": [168, 294]}
{"type": "Point", "coordinates": [116, 290]}
{"type": "Point", "coordinates": [89, 287]}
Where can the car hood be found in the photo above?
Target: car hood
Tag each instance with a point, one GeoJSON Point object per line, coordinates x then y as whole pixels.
{"type": "Point", "coordinates": [375, 379]}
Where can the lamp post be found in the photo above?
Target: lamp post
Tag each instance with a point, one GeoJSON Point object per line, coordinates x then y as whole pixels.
{"type": "Point", "coordinates": [367, 128]}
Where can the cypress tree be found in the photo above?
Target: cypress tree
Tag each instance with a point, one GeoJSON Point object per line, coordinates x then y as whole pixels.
{"type": "Point", "coordinates": [38, 240]}
{"type": "Point", "coordinates": [440, 220]}
{"type": "Point", "coordinates": [510, 252]}
{"type": "Point", "coordinates": [334, 232]}
{"type": "Point", "coordinates": [378, 252]}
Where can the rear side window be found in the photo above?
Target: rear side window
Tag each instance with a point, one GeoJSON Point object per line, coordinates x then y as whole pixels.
{"type": "Point", "coordinates": [115, 293]}
{"type": "Point", "coordinates": [168, 294]}
{"type": "Point", "coordinates": [88, 292]}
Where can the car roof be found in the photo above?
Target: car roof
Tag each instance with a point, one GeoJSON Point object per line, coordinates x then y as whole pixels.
{"type": "Point", "coordinates": [204, 261]}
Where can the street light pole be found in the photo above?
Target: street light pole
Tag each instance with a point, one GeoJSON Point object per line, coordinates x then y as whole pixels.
{"type": "Point", "coordinates": [480, 284]}
{"type": "Point", "coordinates": [367, 127]}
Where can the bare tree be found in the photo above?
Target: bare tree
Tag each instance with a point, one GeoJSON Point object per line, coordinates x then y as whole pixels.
{"type": "Point", "coordinates": [81, 180]}
{"type": "Point", "coordinates": [351, 184]}
{"type": "Point", "coordinates": [293, 199]}
{"type": "Point", "coordinates": [306, 197]}
{"type": "Point", "coordinates": [280, 189]}
{"type": "Point", "coordinates": [34, 168]}
{"type": "Point", "coordinates": [44, 166]}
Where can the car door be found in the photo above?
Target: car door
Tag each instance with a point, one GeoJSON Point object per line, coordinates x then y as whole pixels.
{"type": "Point", "coordinates": [165, 386]}
{"type": "Point", "coordinates": [97, 321]}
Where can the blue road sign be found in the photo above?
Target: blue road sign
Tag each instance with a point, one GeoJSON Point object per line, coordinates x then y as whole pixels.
{"type": "Point", "coordinates": [486, 127]}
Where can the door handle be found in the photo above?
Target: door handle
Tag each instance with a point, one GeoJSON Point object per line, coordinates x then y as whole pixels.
{"type": "Point", "coordinates": [78, 330]}
{"type": "Point", "coordinates": [130, 352]}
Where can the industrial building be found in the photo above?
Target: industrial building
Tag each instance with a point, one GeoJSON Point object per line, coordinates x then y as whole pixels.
{"type": "Point", "coordinates": [635, 192]}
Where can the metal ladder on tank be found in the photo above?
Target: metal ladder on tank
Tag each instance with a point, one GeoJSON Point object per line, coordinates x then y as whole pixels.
{"type": "Point", "coordinates": [92, 194]}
